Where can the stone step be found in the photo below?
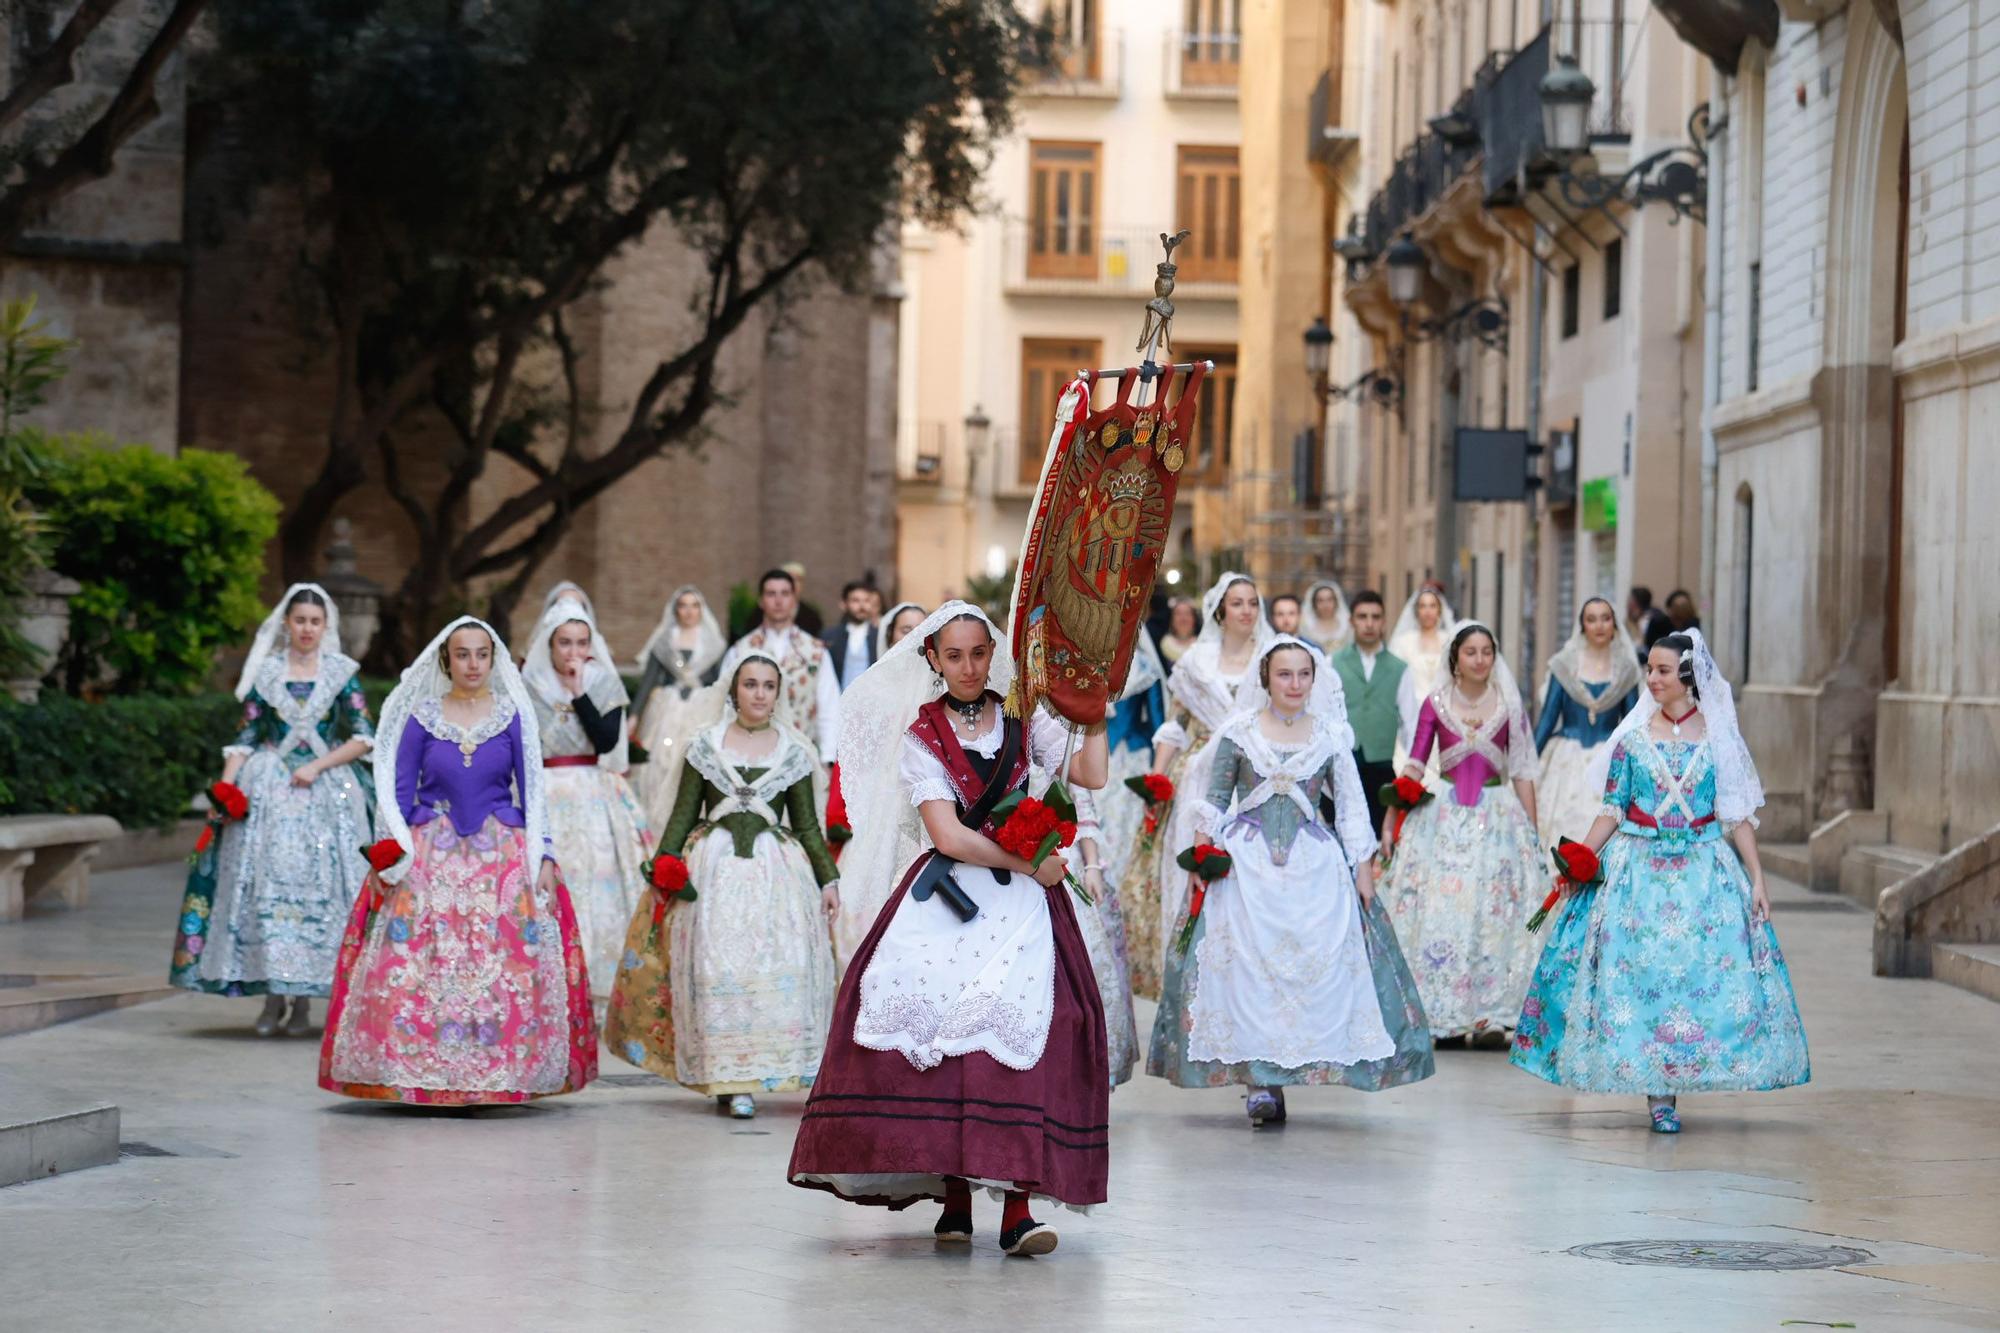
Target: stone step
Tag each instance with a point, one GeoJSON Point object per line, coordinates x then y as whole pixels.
{"type": "Point", "coordinates": [1786, 860]}
{"type": "Point", "coordinates": [45, 1131]}
{"type": "Point", "coordinates": [31, 1000]}
{"type": "Point", "coordinates": [1973, 967]}
{"type": "Point", "coordinates": [1866, 871]}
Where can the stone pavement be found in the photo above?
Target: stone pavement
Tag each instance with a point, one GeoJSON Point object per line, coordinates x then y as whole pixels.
{"type": "Point", "coordinates": [251, 1200]}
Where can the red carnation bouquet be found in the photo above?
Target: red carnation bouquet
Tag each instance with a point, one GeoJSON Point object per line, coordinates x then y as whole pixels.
{"type": "Point", "coordinates": [668, 875]}
{"type": "Point", "coordinates": [1155, 789]}
{"type": "Point", "coordinates": [1207, 863]}
{"type": "Point", "coordinates": [226, 805]}
{"type": "Point", "coordinates": [380, 855]}
{"type": "Point", "coordinates": [1403, 795]}
{"type": "Point", "coordinates": [1577, 867]}
{"type": "Point", "coordinates": [838, 829]}
{"type": "Point", "coordinates": [1033, 829]}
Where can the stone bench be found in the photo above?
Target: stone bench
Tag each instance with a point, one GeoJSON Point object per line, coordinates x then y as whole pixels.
{"type": "Point", "coordinates": [48, 854]}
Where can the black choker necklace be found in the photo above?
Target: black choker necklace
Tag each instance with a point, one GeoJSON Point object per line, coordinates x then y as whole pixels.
{"type": "Point", "coordinates": [971, 712]}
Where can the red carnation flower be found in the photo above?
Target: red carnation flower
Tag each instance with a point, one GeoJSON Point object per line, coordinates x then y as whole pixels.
{"type": "Point", "coordinates": [668, 873]}
{"type": "Point", "coordinates": [383, 854]}
{"type": "Point", "coordinates": [1577, 862]}
{"type": "Point", "coordinates": [228, 798]}
{"type": "Point", "coordinates": [1411, 790]}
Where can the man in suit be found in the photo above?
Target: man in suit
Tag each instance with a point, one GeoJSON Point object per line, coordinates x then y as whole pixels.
{"type": "Point", "coordinates": [855, 642]}
{"type": "Point", "coordinates": [1370, 673]}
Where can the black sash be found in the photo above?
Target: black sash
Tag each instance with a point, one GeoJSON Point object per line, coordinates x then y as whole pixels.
{"type": "Point", "coordinates": [936, 875]}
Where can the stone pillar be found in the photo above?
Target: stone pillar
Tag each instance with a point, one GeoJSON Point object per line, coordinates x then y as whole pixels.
{"type": "Point", "coordinates": [358, 596]}
{"type": "Point", "coordinates": [44, 623]}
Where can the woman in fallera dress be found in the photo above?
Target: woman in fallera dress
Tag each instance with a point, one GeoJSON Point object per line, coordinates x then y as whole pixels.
{"type": "Point", "coordinates": [682, 654]}
{"type": "Point", "coordinates": [461, 979]}
{"type": "Point", "coordinates": [599, 832]}
{"type": "Point", "coordinates": [898, 621]}
{"type": "Point", "coordinates": [1666, 977]}
{"type": "Point", "coordinates": [268, 896]}
{"type": "Point", "coordinates": [1323, 618]}
{"type": "Point", "coordinates": [1468, 869]}
{"type": "Point", "coordinates": [1421, 634]}
{"type": "Point", "coordinates": [965, 1051]}
{"type": "Point", "coordinates": [729, 993]}
{"type": "Point", "coordinates": [1594, 682]}
{"type": "Point", "coordinates": [1292, 976]}
{"type": "Point", "coordinates": [1201, 696]}
{"type": "Point", "coordinates": [1183, 629]}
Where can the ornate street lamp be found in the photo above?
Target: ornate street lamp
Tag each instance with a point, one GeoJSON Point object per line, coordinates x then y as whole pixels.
{"type": "Point", "coordinates": [1407, 270]}
{"type": "Point", "coordinates": [1566, 93]}
{"type": "Point", "coordinates": [1319, 354]}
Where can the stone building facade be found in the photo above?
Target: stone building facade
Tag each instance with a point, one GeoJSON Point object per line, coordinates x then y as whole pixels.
{"type": "Point", "coordinates": [1857, 295]}
{"type": "Point", "coordinates": [179, 279]}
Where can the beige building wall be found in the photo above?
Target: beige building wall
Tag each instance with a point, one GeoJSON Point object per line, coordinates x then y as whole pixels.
{"type": "Point", "coordinates": [972, 299]}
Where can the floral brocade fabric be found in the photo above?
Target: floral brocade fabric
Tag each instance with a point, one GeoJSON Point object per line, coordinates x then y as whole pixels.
{"type": "Point", "coordinates": [1658, 981]}
{"type": "Point", "coordinates": [467, 985]}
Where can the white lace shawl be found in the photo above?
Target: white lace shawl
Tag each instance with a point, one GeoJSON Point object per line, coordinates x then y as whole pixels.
{"type": "Point", "coordinates": [424, 683]}
{"type": "Point", "coordinates": [790, 761]}
{"type": "Point", "coordinates": [662, 644]}
{"type": "Point", "coordinates": [1519, 761]}
{"type": "Point", "coordinates": [1333, 634]}
{"type": "Point", "coordinates": [1285, 773]}
{"type": "Point", "coordinates": [303, 716]}
{"type": "Point", "coordinates": [1566, 669]}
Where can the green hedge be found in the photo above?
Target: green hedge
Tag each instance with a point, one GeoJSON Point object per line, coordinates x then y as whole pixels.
{"type": "Point", "coordinates": [139, 759]}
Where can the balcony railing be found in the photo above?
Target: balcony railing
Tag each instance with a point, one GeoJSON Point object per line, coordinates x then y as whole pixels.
{"type": "Point", "coordinates": [1603, 49]}
{"type": "Point", "coordinates": [1507, 108]}
{"type": "Point", "coordinates": [1422, 175]}
{"type": "Point", "coordinates": [1203, 64]}
{"type": "Point", "coordinates": [1091, 67]}
{"type": "Point", "coordinates": [1048, 259]}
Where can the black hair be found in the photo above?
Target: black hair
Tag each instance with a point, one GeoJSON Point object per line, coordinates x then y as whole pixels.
{"type": "Point", "coordinates": [1222, 603]}
{"type": "Point", "coordinates": [1587, 603]}
{"type": "Point", "coordinates": [308, 597]}
{"type": "Point", "coordinates": [1643, 596]}
{"type": "Point", "coordinates": [1264, 663]}
{"type": "Point", "coordinates": [1680, 592]}
{"type": "Point", "coordinates": [1458, 641]}
{"type": "Point", "coordinates": [1284, 597]}
{"type": "Point", "coordinates": [1367, 597]}
{"type": "Point", "coordinates": [770, 574]}
{"type": "Point", "coordinates": [1683, 648]}
{"type": "Point", "coordinates": [852, 586]}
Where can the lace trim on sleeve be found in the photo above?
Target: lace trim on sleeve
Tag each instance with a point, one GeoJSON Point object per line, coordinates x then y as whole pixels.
{"type": "Point", "coordinates": [924, 777]}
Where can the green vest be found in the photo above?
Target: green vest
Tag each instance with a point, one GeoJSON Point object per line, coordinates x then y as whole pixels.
{"type": "Point", "coordinates": [1371, 701]}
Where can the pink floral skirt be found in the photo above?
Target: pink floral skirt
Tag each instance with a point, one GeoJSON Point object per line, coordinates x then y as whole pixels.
{"type": "Point", "coordinates": [463, 985]}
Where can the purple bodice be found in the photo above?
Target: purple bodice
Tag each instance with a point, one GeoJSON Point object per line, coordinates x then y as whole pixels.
{"type": "Point", "coordinates": [1469, 778]}
{"type": "Point", "coordinates": [433, 778]}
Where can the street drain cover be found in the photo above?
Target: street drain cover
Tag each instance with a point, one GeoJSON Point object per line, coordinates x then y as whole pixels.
{"type": "Point", "coordinates": [1742, 1256]}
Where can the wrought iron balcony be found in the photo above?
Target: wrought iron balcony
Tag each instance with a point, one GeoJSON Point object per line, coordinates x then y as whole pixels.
{"type": "Point", "coordinates": [1091, 68]}
{"type": "Point", "coordinates": [1070, 257]}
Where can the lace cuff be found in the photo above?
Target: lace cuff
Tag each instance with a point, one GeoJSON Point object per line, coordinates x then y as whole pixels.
{"type": "Point", "coordinates": [924, 778]}
{"type": "Point", "coordinates": [1174, 734]}
{"type": "Point", "coordinates": [231, 751]}
{"type": "Point", "coordinates": [1206, 817]}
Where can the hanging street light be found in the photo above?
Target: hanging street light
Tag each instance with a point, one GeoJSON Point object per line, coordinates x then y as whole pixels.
{"type": "Point", "coordinates": [1407, 270]}
{"type": "Point", "coordinates": [1566, 94]}
{"type": "Point", "coordinates": [1319, 355]}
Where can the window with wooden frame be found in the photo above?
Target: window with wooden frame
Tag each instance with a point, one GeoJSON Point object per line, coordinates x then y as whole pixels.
{"type": "Point", "coordinates": [1074, 23]}
{"type": "Point", "coordinates": [1209, 204]}
{"type": "Point", "coordinates": [1047, 364]}
{"type": "Point", "coordinates": [1215, 416]}
{"type": "Point", "coordinates": [1211, 44]}
{"type": "Point", "coordinates": [1062, 209]}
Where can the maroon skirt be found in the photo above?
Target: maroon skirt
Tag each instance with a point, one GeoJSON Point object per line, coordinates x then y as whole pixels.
{"type": "Point", "coordinates": [1045, 1130]}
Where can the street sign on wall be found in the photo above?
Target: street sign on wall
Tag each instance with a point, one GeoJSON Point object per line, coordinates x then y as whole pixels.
{"type": "Point", "coordinates": [1600, 504]}
{"type": "Point", "coordinates": [1491, 464]}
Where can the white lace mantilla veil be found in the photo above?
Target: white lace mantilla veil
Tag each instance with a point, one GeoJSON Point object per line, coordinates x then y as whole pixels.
{"type": "Point", "coordinates": [426, 678]}
{"type": "Point", "coordinates": [1327, 704]}
{"type": "Point", "coordinates": [1739, 792]}
{"type": "Point", "coordinates": [271, 636]}
{"type": "Point", "coordinates": [709, 645]}
{"type": "Point", "coordinates": [1523, 764]}
{"type": "Point", "coordinates": [1405, 630]}
{"type": "Point", "coordinates": [1567, 664]}
{"type": "Point", "coordinates": [1201, 664]}
{"type": "Point", "coordinates": [1147, 668]}
{"type": "Point", "coordinates": [566, 588]}
{"type": "Point", "coordinates": [875, 715]}
{"type": "Point", "coordinates": [600, 673]}
{"type": "Point", "coordinates": [1324, 632]}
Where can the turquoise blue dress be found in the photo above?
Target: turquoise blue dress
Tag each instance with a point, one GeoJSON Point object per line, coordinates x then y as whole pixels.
{"type": "Point", "coordinates": [1658, 981]}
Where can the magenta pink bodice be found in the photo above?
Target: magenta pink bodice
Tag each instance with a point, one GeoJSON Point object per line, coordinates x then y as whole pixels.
{"type": "Point", "coordinates": [1469, 778]}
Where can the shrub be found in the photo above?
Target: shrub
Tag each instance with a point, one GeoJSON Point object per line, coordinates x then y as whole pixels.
{"type": "Point", "coordinates": [170, 553]}
{"type": "Point", "coordinates": [139, 760]}
{"type": "Point", "coordinates": [30, 361]}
